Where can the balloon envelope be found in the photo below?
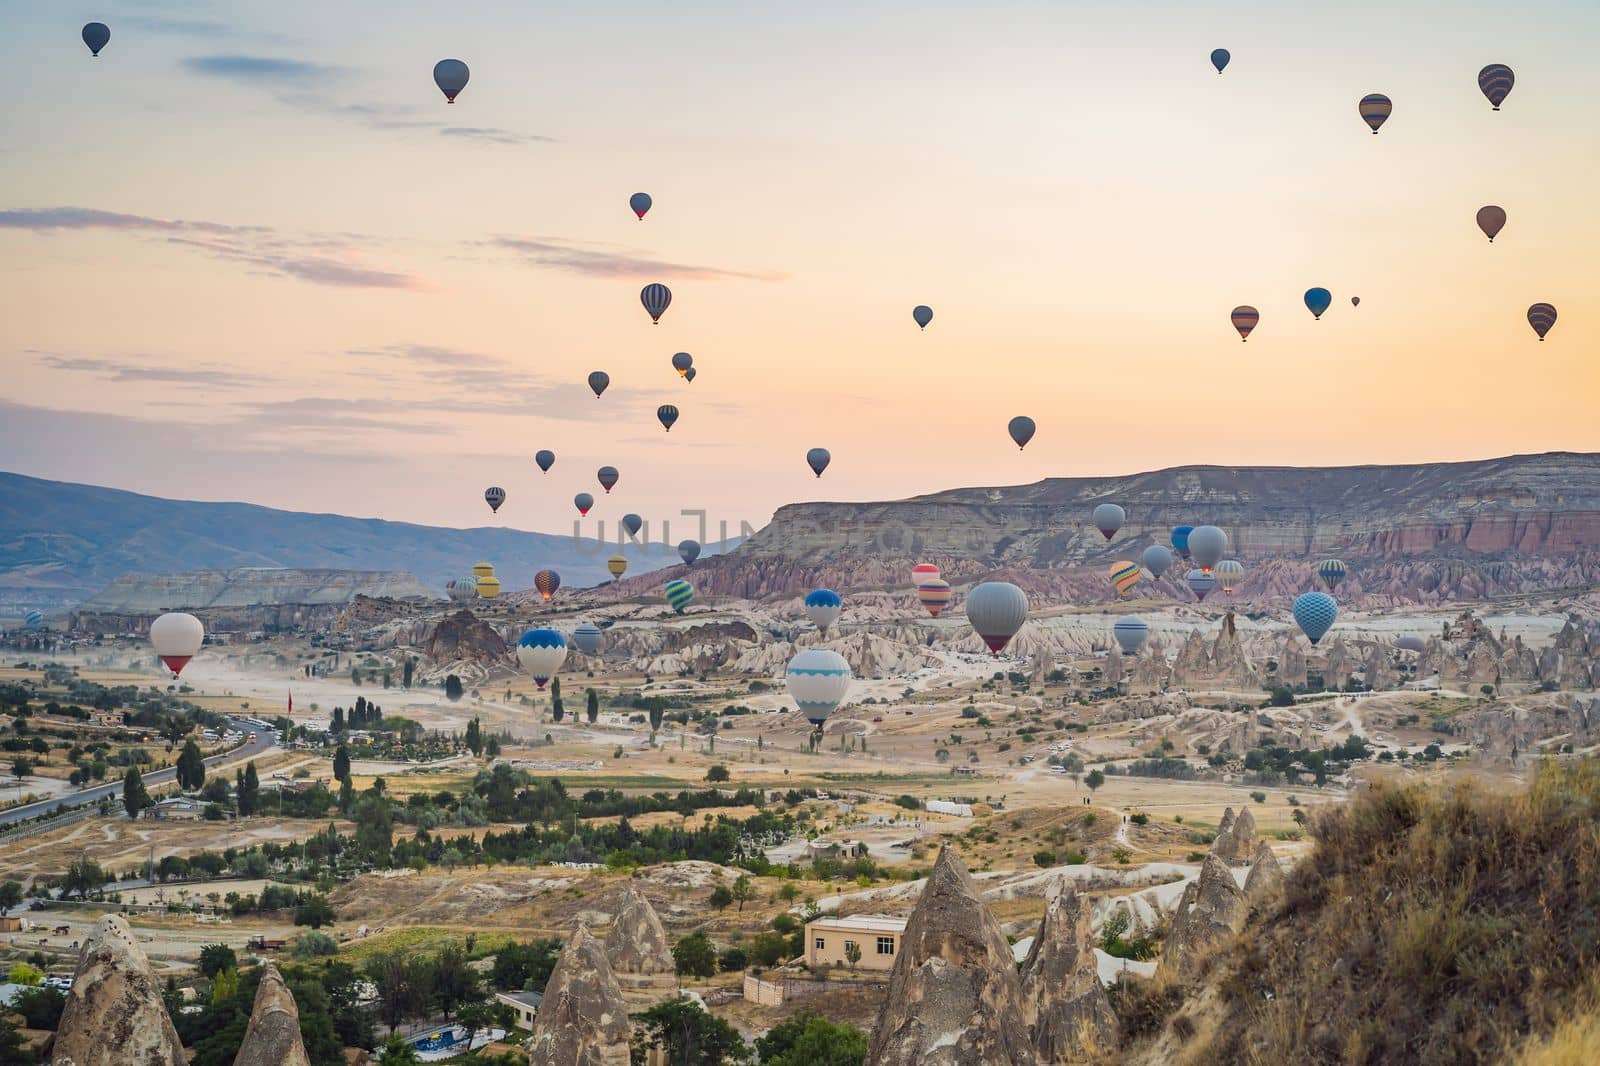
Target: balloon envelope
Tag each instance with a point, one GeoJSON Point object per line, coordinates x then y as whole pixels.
{"type": "Point", "coordinates": [1201, 583]}
{"type": "Point", "coordinates": [934, 595]}
{"type": "Point", "coordinates": [547, 581]}
{"type": "Point", "coordinates": [1355, 301]}
{"type": "Point", "coordinates": [922, 314]}
{"type": "Point", "coordinates": [33, 619]}
{"type": "Point", "coordinates": [997, 610]}
{"type": "Point", "coordinates": [1541, 317]}
{"type": "Point", "coordinates": [1375, 109]}
{"type": "Point", "coordinates": [1229, 573]}
{"type": "Point", "coordinates": [488, 587]}
{"type": "Point", "coordinates": [667, 414]}
{"type": "Point", "coordinates": [1331, 571]}
{"type": "Point", "coordinates": [176, 638]}
{"type": "Point", "coordinates": [598, 380]}
{"type": "Point", "coordinates": [583, 501]}
{"type": "Point", "coordinates": [494, 496]}
{"type": "Point", "coordinates": [823, 607]}
{"type": "Point", "coordinates": [632, 523]}
{"type": "Point", "coordinates": [688, 375]}
{"type": "Point", "coordinates": [617, 565]}
{"type": "Point", "coordinates": [1156, 559]}
{"type": "Point", "coordinates": [462, 589]}
{"type": "Point", "coordinates": [1180, 540]}
{"type": "Point", "coordinates": [607, 476]}
{"type": "Point", "coordinates": [1021, 429]}
{"type": "Point", "coordinates": [656, 298]}
{"type": "Point", "coordinates": [541, 652]}
{"type": "Point", "coordinates": [922, 573]}
{"type": "Point", "coordinates": [818, 681]}
{"type": "Point", "coordinates": [640, 202]}
{"type": "Point", "coordinates": [1318, 301]}
{"type": "Point", "coordinates": [1219, 58]}
{"type": "Point", "coordinates": [1315, 611]}
{"type": "Point", "coordinates": [483, 570]}
{"type": "Point", "coordinates": [96, 35]}
{"type": "Point", "coordinates": [545, 458]}
{"type": "Point", "coordinates": [1491, 220]}
{"type": "Point", "coordinates": [589, 638]}
{"type": "Point", "coordinates": [1410, 642]}
{"type": "Point", "coordinates": [1244, 319]}
{"type": "Point", "coordinates": [1130, 634]}
{"type": "Point", "coordinates": [1108, 518]}
{"type": "Point", "coordinates": [679, 594]}
{"type": "Point", "coordinates": [1206, 545]}
{"type": "Point", "coordinates": [450, 75]}
{"type": "Point", "coordinates": [818, 459]}
{"type": "Point", "coordinates": [689, 551]}
{"type": "Point", "coordinates": [682, 362]}
{"type": "Point", "coordinates": [1124, 575]}
{"type": "Point", "coordinates": [1495, 82]}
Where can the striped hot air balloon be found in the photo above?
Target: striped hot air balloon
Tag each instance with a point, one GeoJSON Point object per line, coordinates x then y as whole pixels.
{"type": "Point", "coordinates": [818, 681]}
{"type": "Point", "coordinates": [547, 581]}
{"type": "Point", "coordinates": [617, 565]}
{"type": "Point", "coordinates": [1331, 571]}
{"type": "Point", "coordinates": [1130, 633]}
{"type": "Point", "coordinates": [494, 496]}
{"type": "Point", "coordinates": [541, 652]}
{"type": "Point", "coordinates": [1495, 82]}
{"type": "Point", "coordinates": [997, 610]}
{"type": "Point", "coordinates": [679, 594]}
{"type": "Point", "coordinates": [589, 638]}
{"type": "Point", "coordinates": [667, 414]}
{"type": "Point", "coordinates": [607, 476]}
{"type": "Point", "coordinates": [934, 595]}
{"type": "Point", "coordinates": [1124, 575]}
{"type": "Point", "coordinates": [656, 298]}
{"type": "Point", "coordinates": [462, 589]}
{"type": "Point", "coordinates": [1375, 109]}
{"type": "Point", "coordinates": [1201, 582]}
{"type": "Point", "coordinates": [483, 570]}
{"type": "Point", "coordinates": [1315, 612]}
{"type": "Point", "coordinates": [1244, 319]}
{"type": "Point", "coordinates": [34, 620]}
{"type": "Point", "coordinates": [922, 573]}
{"type": "Point", "coordinates": [823, 607]}
{"type": "Point", "coordinates": [1542, 317]}
{"type": "Point", "coordinates": [488, 587]}
{"type": "Point", "coordinates": [1229, 573]}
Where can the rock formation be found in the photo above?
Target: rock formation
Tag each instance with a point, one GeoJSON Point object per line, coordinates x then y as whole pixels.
{"type": "Point", "coordinates": [1291, 664]}
{"type": "Point", "coordinates": [583, 1020]}
{"type": "Point", "coordinates": [1213, 907]}
{"type": "Point", "coordinates": [954, 997]}
{"type": "Point", "coordinates": [636, 943]}
{"type": "Point", "coordinates": [273, 1036]}
{"type": "Point", "coordinates": [1067, 1008]}
{"type": "Point", "coordinates": [1236, 836]}
{"type": "Point", "coordinates": [1265, 879]}
{"type": "Point", "coordinates": [114, 1014]}
{"type": "Point", "coordinates": [462, 636]}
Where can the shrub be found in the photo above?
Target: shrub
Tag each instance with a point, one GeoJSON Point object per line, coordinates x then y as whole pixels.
{"type": "Point", "coordinates": [314, 945]}
{"type": "Point", "coordinates": [1044, 858]}
{"type": "Point", "coordinates": [1259, 797]}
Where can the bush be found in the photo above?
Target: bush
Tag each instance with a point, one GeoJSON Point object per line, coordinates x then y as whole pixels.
{"type": "Point", "coordinates": [718, 773]}
{"type": "Point", "coordinates": [1259, 797]}
{"type": "Point", "coordinates": [1044, 858]}
{"type": "Point", "coordinates": [1139, 819]}
{"type": "Point", "coordinates": [910, 803]}
{"type": "Point", "coordinates": [314, 945]}
{"type": "Point", "coordinates": [732, 959]}
{"type": "Point", "coordinates": [693, 956]}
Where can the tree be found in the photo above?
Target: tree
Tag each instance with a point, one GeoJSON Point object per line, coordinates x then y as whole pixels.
{"type": "Point", "coordinates": [453, 689]}
{"type": "Point", "coordinates": [336, 725]}
{"type": "Point", "coordinates": [402, 985]}
{"type": "Point", "coordinates": [341, 763]}
{"type": "Point", "coordinates": [25, 975]}
{"type": "Point", "coordinates": [558, 709]}
{"type": "Point", "coordinates": [491, 747]}
{"type": "Point", "coordinates": [693, 956]}
{"type": "Point", "coordinates": [718, 773]}
{"type": "Point", "coordinates": [215, 958]}
{"type": "Point", "coordinates": [396, 1052]}
{"type": "Point", "coordinates": [12, 1051]}
{"type": "Point", "coordinates": [314, 945]}
{"type": "Point", "coordinates": [83, 876]}
{"type": "Point", "coordinates": [688, 1034]}
{"type": "Point", "coordinates": [316, 912]}
{"type": "Point", "coordinates": [656, 714]}
{"type": "Point", "coordinates": [22, 768]}
{"type": "Point", "coordinates": [591, 708]}
{"type": "Point", "coordinates": [134, 796]}
{"type": "Point", "coordinates": [407, 670]}
{"type": "Point", "coordinates": [248, 790]}
{"type": "Point", "coordinates": [852, 954]}
{"type": "Point", "coordinates": [1094, 779]}
{"type": "Point", "coordinates": [474, 737]}
{"type": "Point", "coordinates": [40, 1007]}
{"type": "Point", "coordinates": [525, 966]}
{"type": "Point", "coordinates": [10, 896]}
{"type": "Point", "coordinates": [744, 890]}
{"type": "Point", "coordinates": [555, 689]}
{"type": "Point", "coordinates": [454, 981]}
{"type": "Point", "coordinates": [191, 767]}
{"type": "Point", "coordinates": [809, 1040]}
{"type": "Point", "coordinates": [720, 897]}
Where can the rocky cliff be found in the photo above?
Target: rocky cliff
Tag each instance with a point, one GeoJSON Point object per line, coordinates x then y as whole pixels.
{"type": "Point", "coordinates": [636, 943]}
{"type": "Point", "coordinates": [583, 1020]}
{"type": "Point", "coordinates": [114, 1014]}
{"type": "Point", "coordinates": [1067, 1005]}
{"type": "Point", "coordinates": [272, 1037]}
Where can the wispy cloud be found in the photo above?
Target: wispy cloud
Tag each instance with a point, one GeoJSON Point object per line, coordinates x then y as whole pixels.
{"type": "Point", "coordinates": [262, 70]}
{"type": "Point", "coordinates": [493, 135]}
{"type": "Point", "coordinates": [320, 260]}
{"type": "Point", "coordinates": [208, 376]}
{"type": "Point", "coordinates": [604, 261]}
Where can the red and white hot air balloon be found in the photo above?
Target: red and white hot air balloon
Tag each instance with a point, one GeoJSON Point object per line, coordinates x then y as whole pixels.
{"type": "Point", "coordinates": [177, 638]}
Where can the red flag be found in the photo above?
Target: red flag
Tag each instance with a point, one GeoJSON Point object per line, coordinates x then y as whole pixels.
{"type": "Point", "coordinates": [291, 701]}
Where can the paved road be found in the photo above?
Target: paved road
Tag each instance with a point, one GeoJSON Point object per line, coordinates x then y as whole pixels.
{"type": "Point", "coordinates": [261, 740]}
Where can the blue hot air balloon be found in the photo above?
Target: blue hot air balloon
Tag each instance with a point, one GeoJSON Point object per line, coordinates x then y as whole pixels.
{"type": "Point", "coordinates": [656, 298]}
{"type": "Point", "coordinates": [1021, 429]}
{"type": "Point", "coordinates": [1219, 59]}
{"type": "Point", "coordinates": [818, 459]}
{"type": "Point", "coordinates": [598, 380]}
{"type": "Point", "coordinates": [823, 607]}
{"type": "Point", "coordinates": [1315, 611]}
{"type": "Point", "coordinates": [922, 314]}
{"type": "Point", "coordinates": [96, 35]}
{"type": "Point", "coordinates": [607, 476]}
{"type": "Point", "coordinates": [667, 414]}
{"type": "Point", "coordinates": [541, 652]}
{"type": "Point", "coordinates": [1495, 82]}
{"type": "Point", "coordinates": [545, 458]}
{"type": "Point", "coordinates": [583, 501]}
{"type": "Point", "coordinates": [679, 594]}
{"type": "Point", "coordinates": [683, 362]}
{"type": "Point", "coordinates": [450, 75]}
{"type": "Point", "coordinates": [1180, 540]}
{"type": "Point", "coordinates": [640, 202]}
{"type": "Point", "coordinates": [34, 620]}
{"type": "Point", "coordinates": [1318, 300]}
{"type": "Point", "coordinates": [632, 523]}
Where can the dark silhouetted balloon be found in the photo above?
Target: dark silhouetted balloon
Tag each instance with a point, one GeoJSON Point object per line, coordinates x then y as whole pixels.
{"type": "Point", "coordinates": [682, 362]}
{"type": "Point", "coordinates": [545, 458]}
{"type": "Point", "coordinates": [1495, 82]}
{"type": "Point", "coordinates": [1156, 559]}
{"type": "Point", "coordinates": [656, 298]}
{"type": "Point", "coordinates": [1318, 301]}
{"type": "Point", "coordinates": [547, 581]}
{"type": "Point", "coordinates": [583, 501]}
{"type": "Point", "coordinates": [640, 202]}
{"type": "Point", "coordinates": [598, 381]}
{"type": "Point", "coordinates": [450, 75]}
{"type": "Point", "coordinates": [1375, 109]}
{"type": "Point", "coordinates": [818, 459]}
{"type": "Point", "coordinates": [667, 414]}
{"type": "Point", "coordinates": [1219, 59]}
{"type": "Point", "coordinates": [1108, 518]}
{"type": "Point", "coordinates": [1541, 317]}
{"type": "Point", "coordinates": [632, 523]}
{"type": "Point", "coordinates": [688, 375]}
{"type": "Point", "coordinates": [1491, 220]}
{"type": "Point", "coordinates": [922, 314]}
{"type": "Point", "coordinates": [607, 476]}
{"type": "Point", "coordinates": [96, 35]}
{"type": "Point", "coordinates": [689, 551]}
{"type": "Point", "coordinates": [1244, 319]}
{"type": "Point", "coordinates": [494, 496]}
{"type": "Point", "coordinates": [1021, 429]}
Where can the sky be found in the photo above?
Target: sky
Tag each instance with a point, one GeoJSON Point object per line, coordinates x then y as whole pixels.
{"type": "Point", "coordinates": [250, 253]}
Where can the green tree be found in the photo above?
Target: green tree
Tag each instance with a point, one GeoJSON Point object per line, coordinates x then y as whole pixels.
{"type": "Point", "coordinates": [744, 890]}
{"type": "Point", "coordinates": [12, 1051]}
{"type": "Point", "coordinates": [224, 986]}
{"type": "Point", "coordinates": [83, 876]}
{"type": "Point", "coordinates": [25, 975]}
{"type": "Point", "coordinates": [215, 958]}
{"type": "Point", "coordinates": [491, 747]}
{"type": "Point", "coordinates": [591, 708]}
{"type": "Point", "coordinates": [315, 945]}
{"type": "Point", "coordinates": [852, 954]}
{"type": "Point", "coordinates": [474, 737]}
{"type": "Point", "coordinates": [40, 1008]}
{"type": "Point", "coordinates": [454, 981]}
{"type": "Point", "coordinates": [558, 709]}
{"type": "Point", "coordinates": [396, 1052]}
{"type": "Point", "coordinates": [316, 912]}
{"type": "Point", "coordinates": [688, 1034]}
{"type": "Point", "coordinates": [656, 714]}
{"type": "Point", "coordinates": [347, 795]}
{"type": "Point", "coordinates": [693, 956]}
{"type": "Point", "coordinates": [21, 768]}
{"type": "Point", "coordinates": [134, 796]}
{"type": "Point", "coordinates": [247, 790]}
{"type": "Point", "coordinates": [1094, 779]}
{"type": "Point", "coordinates": [809, 1040]}
{"type": "Point", "coordinates": [720, 897]}
{"type": "Point", "coordinates": [10, 896]}
{"type": "Point", "coordinates": [191, 767]}
{"type": "Point", "coordinates": [341, 763]}
{"type": "Point", "coordinates": [717, 773]}
{"type": "Point", "coordinates": [453, 689]}
{"type": "Point", "coordinates": [407, 671]}
{"type": "Point", "coordinates": [525, 966]}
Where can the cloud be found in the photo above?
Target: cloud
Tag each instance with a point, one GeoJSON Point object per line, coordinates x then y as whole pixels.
{"type": "Point", "coordinates": [188, 27]}
{"type": "Point", "coordinates": [207, 375]}
{"type": "Point", "coordinates": [320, 260]}
{"type": "Point", "coordinates": [600, 261]}
{"type": "Point", "coordinates": [493, 135]}
{"type": "Point", "coordinates": [261, 70]}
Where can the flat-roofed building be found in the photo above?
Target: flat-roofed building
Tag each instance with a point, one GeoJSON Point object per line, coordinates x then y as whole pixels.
{"type": "Point", "coordinates": [878, 936]}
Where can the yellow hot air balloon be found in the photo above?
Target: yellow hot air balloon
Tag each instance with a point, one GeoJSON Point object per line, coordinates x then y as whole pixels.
{"type": "Point", "coordinates": [483, 570]}
{"type": "Point", "coordinates": [1124, 575]}
{"type": "Point", "coordinates": [488, 587]}
{"type": "Point", "coordinates": [618, 565]}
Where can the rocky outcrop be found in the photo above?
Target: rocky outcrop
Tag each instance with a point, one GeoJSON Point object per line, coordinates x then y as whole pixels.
{"type": "Point", "coordinates": [114, 1014]}
{"type": "Point", "coordinates": [954, 997]}
{"type": "Point", "coordinates": [1213, 908]}
{"type": "Point", "coordinates": [1237, 841]}
{"type": "Point", "coordinates": [272, 1037]}
{"type": "Point", "coordinates": [462, 636]}
{"type": "Point", "coordinates": [636, 943]}
{"type": "Point", "coordinates": [1265, 881]}
{"type": "Point", "coordinates": [1069, 1014]}
{"type": "Point", "coordinates": [583, 1020]}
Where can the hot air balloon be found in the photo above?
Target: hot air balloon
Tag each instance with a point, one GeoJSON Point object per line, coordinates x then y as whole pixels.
{"type": "Point", "coordinates": [656, 298]}
{"type": "Point", "coordinates": [617, 565]}
{"type": "Point", "coordinates": [1131, 634]}
{"type": "Point", "coordinates": [688, 375]}
{"type": "Point", "coordinates": [818, 459]}
{"type": "Point", "coordinates": [462, 589]}
{"type": "Point", "coordinates": [1541, 317]}
{"type": "Point", "coordinates": [545, 458]}
{"type": "Point", "coordinates": [818, 682]}
{"type": "Point", "coordinates": [1124, 575]}
{"type": "Point", "coordinates": [1219, 59]}
{"type": "Point", "coordinates": [1331, 571]}
{"type": "Point", "coordinates": [1229, 573]}
{"type": "Point", "coordinates": [688, 551]}
{"type": "Point", "coordinates": [1410, 642]}
{"type": "Point", "coordinates": [1201, 583]}
{"type": "Point", "coordinates": [632, 523]}
{"type": "Point", "coordinates": [1375, 109]}
{"type": "Point", "coordinates": [96, 35]}
{"type": "Point", "coordinates": [583, 501]}
{"type": "Point", "coordinates": [1495, 82]}
{"type": "Point", "coordinates": [823, 607]}
{"type": "Point", "coordinates": [682, 362]}
{"type": "Point", "coordinates": [934, 595]}
{"type": "Point", "coordinates": [1108, 518]}
{"type": "Point", "coordinates": [667, 414]}
{"type": "Point", "coordinates": [1180, 540]}
{"type": "Point", "coordinates": [997, 609]}
{"type": "Point", "coordinates": [450, 75]}
{"type": "Point", "coordinates": [1317, 301]}
{"type": "Point", "coordinates": [1315, 611]}
{"type": "Point", "coordinates": [923, 573]}
{"type": "Point", "coordinates": [547, 581]}
{"type": "Point", "coordinates": [176, 638]}
{"type": "Point", "coordinates": [640, 202]}
{"type": "Point", "coordinates": [1355, 301]}
{"type": "Point", "coordinates": [598, 380]}
{"type": "Point", "coordinates": [482, 569]}
{"type": "Point", "coordinates": [1021, 429]}
{"type": "Point", "coordinates": [1156, 559]}
{"type": "Point", "coordinates": [607, 476]}
{"type": "Point", "coordinates": [541, 652]}
{"type": "Point", "coordinates": [34, 620]}
{"type": "Point", "coordinates": [589, 638]}
{"type": "Point", "coordinates": [1244, 319]}
{"type": "Point", "coordinates": [679, 594]}
{"type": "Point", "coordinates": [494, 496]}
{"type": "Point", "coordinates": [1206, 545]}
{"type": "Point", "coordinates": [922, 314]}
{"type": "Point", "coordinates": [1491, 220]}
{"type": "Point", "coordinates": [488, 587]}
